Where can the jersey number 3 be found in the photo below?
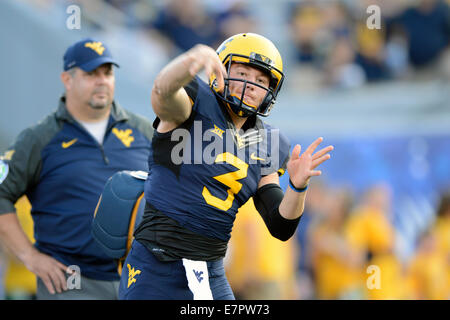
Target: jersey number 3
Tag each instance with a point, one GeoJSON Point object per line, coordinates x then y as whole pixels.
{"type": "Point", "coordinates": [229, 179]}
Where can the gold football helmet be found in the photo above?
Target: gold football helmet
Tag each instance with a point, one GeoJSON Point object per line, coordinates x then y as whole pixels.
{"type": "Point", "coordinates": [259, 52]}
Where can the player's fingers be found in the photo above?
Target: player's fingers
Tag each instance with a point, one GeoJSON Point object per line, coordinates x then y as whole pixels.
{"type": "Point", "coordinates": [314, 173]}
{"type": "Point", "coordinates": [217, 64]}
{"type": "Point", "coordinates": [320, 160]}
{"type": "Point", "coordinates": [195, 68]}
{"type": "Point", "coordinates": [222, 71]}
{"type": "Point", "coordinates": [219, 68]}
{"type": "Point", "coordinates": [209, 70]}
{"type": "Point", "coordinates": [220, 79]}
{"type": "Point", "coordinates": [296, 152]}
{"type": "Point", "coordinates": [313, 146]}
{"type": "Point", "coordinates": [322, 152]}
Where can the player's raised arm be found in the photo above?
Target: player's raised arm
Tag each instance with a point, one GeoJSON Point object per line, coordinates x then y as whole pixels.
{"type": "Point", "coordinates": [282, 212]}
{"type": "Point", "coordinates": [169, 99]}
{"type": "Point", "coordinates": [301, 168]}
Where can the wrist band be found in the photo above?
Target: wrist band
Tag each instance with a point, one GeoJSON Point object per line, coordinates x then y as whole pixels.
{"type": "Point", "coordinates": [299, 190]}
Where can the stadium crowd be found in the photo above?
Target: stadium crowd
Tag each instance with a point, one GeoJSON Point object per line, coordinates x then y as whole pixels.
{"type": "Point", "coordinates": [340, 235]}
{"type": "Point", "coordinates": [341, 247]}
{"type": "Point", "coordinates": [329, 41]}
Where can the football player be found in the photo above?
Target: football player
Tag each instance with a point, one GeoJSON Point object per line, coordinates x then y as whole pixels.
{"type": "Point", "coordinates": [193, 190]}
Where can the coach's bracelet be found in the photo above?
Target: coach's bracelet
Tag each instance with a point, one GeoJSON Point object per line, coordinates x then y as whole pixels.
{"type": "Point", "coordinates": [299, 190]}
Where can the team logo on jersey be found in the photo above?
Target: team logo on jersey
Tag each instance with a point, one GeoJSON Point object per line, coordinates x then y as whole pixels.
{"type": "Point", "coordinates": [4, 169]}
{"type": "Point", "coordinates": [132, 273]}
{"type": "Point", "coordinates": [124, 136]}
{"type": "Point", "coordinates": [218, 131]}
{"type": "Point", "coordinates": [198, 275]}
{"type": "Point", "coordinates": [96, 46]}
{"type": "Point", "coordinates": [265, 143]}
{"type": "Point", "coordinates": [67, 144]}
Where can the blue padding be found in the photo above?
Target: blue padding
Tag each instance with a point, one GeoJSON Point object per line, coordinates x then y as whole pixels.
{"type": "Point", "coordinates": [111, 223]}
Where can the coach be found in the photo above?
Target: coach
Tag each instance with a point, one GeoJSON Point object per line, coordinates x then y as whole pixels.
{"type": "Point", "coordinates": [61, 164]}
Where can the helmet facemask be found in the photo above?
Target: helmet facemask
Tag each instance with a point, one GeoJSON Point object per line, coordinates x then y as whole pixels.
{"type": "Point", "coordinates": [236, 103]}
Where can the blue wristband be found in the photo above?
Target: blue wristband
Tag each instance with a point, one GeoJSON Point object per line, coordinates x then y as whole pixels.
{"type": "Point", "coordinates": [299, 190]}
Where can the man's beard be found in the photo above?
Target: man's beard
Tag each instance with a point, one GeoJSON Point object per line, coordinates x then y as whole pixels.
{"type": "Point", "coordinates": [100, 104]}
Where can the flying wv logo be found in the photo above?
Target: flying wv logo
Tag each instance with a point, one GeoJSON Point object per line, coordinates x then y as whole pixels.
{"type": "Point", "coordinates": [131, 274]}
{"type": "Point", "coordinates": [198, 275]}
{"type": "Point", "coordinates": [96, 46]}
{"type": "Point", "coordinates": [124, 136]}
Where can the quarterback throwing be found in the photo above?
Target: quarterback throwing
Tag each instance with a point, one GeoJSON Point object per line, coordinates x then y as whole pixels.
{"type": "Point", "coordinates": [191, 205]}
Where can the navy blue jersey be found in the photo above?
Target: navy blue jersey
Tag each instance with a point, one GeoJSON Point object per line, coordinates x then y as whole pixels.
{"type": "Point", "coordinates": [202, 172]}
{"type": "Point", "coordinates": [62, 169]}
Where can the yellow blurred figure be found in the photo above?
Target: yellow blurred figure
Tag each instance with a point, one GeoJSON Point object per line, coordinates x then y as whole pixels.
{"type": "Point", "coordinates": [370, 42]}
{"type": "Point", "coordinates": [336, 266]}
{"type": "Point", "coordinates": [442, 231]}
{"type": "Point", "coordinates": [20, 283]}
{"type": "Point", "coordinates": [393, 283]}
{"type": "Point", "coordinates": [442, 224]}
{"type": "Point", "coordinates": [369, 228]}
{"type": "Point", "coordinates": [371, 233]}
{"type": "Point", "coordinates": [259, 266]}
{"type": "Point", "coordinates": [429, 270]}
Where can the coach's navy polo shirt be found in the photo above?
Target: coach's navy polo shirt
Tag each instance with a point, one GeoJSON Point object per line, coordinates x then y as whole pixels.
{"type": "Point", "coordinates": [62, 169]}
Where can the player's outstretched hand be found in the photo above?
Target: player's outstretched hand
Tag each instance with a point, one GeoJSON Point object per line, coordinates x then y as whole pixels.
{"type": "Point", "coordinates": [204, 57]}
{"type": "Point", "coordinates": [302, 167]}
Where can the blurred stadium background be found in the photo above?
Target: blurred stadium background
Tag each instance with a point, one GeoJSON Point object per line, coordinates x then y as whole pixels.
{"type": "Point", "coordinates": [381, 97]}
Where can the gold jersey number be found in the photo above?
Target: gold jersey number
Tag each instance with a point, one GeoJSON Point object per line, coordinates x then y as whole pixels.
{"type": "Point", "coordinates": [229, 179]}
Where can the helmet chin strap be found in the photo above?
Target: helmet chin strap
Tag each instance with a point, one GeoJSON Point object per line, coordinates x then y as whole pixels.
{"type": "Point", "coordinates": [235, 105]}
